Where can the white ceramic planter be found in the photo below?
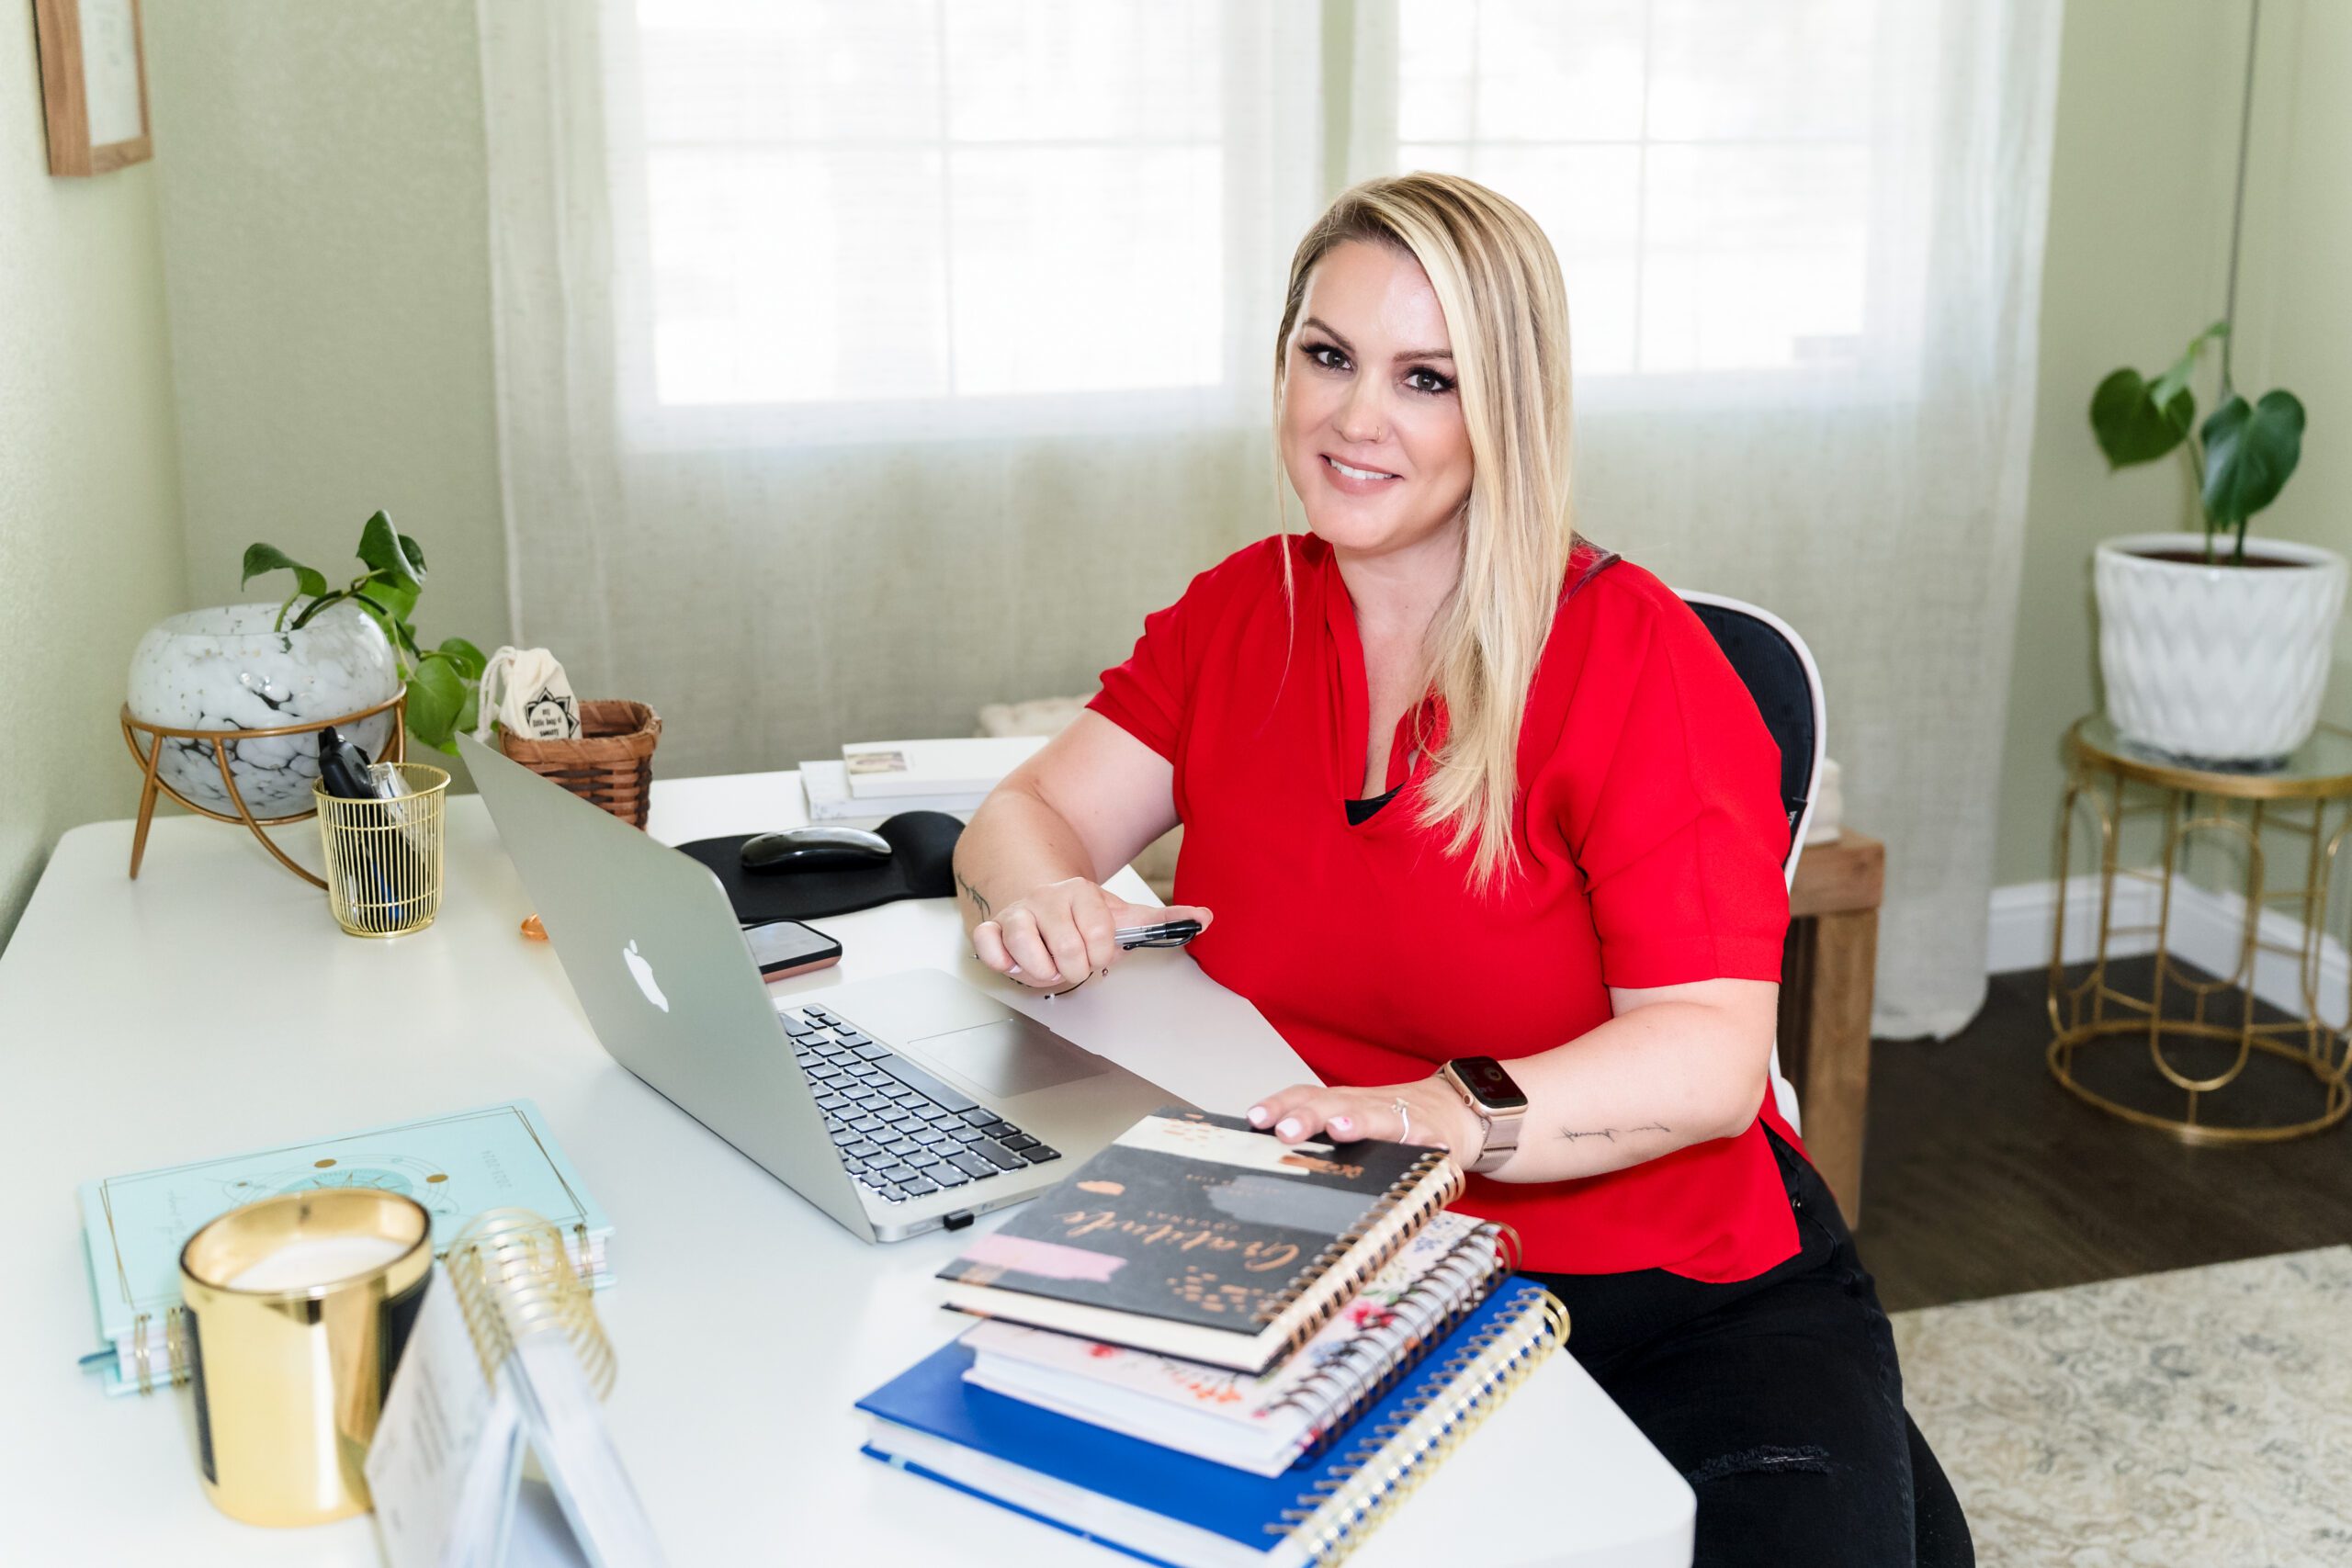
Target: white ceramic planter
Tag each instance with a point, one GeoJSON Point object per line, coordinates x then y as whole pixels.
{"type": "Point", "coordinates": [226, 669]}
{"type": "Point", "coordinates": [2219, 664]}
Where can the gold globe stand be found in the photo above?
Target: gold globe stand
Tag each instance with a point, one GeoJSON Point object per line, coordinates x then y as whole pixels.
{"type": "Point", "coordinates": [2105, 774]}
{"type": "Point", "coordinates": [221, 741]}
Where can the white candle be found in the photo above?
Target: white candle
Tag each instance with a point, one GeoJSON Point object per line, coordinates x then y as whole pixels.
{"type": "Point", "coordinates": [317, 1260]}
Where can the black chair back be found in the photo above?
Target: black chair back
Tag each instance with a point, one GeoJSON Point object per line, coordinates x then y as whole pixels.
{"type": "Point", "coordinates": [1776, 676]}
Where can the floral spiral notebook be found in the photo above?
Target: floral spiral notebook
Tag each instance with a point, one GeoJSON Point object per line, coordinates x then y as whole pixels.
{"type": "Point", "coordinates": [1199, 1236]}
{"type": "Point", "coordinates": [1269, 1422]}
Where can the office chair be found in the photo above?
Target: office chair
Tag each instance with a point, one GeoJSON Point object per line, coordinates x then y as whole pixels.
{"type": "Point", "coordinates": [1780, 673]}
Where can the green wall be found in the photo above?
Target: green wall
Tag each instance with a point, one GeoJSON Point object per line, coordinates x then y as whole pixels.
{"type": "Point", "coordinates": [2137, 261]}
{"type": "Point", "coordinates": [323, 194]}
{"type": "Point", "coordinates": [89, 489]}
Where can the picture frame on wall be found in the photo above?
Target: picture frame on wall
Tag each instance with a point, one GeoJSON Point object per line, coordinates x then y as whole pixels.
{"type": "Point", "coordinates": [93, 84]}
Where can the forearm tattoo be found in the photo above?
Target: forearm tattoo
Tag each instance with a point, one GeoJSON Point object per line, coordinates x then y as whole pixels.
{"type": "Point", "coordinates": [973, 893]}
{"type": "Point", "coordinates": [1613, 1134]}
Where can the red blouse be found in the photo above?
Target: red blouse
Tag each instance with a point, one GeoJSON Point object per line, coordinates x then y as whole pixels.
{"type": "Point", "coordinates": [1650, 838]}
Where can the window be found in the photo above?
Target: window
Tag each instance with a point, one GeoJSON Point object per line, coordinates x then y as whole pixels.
{"type": "Point", "coordinates": [1710, 171]}
{"type": "Point", "coordinates": [897, 204]}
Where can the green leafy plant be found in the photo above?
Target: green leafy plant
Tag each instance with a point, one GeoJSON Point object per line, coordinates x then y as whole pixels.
{"type": "Point", "coordinates": [2241, 457]}
{"type": "Point", "coordinates": [444, 682]}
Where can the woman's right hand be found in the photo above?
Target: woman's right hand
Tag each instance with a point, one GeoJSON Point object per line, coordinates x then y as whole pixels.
{"type": "Point", "coordinates": [1055, 936]}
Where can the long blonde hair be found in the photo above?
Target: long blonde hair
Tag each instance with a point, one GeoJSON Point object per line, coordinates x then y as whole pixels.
{"type": "Point", "coordinates": [1507, 311]}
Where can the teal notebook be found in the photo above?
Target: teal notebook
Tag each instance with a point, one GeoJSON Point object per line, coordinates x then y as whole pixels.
{"type": "Point", "coordinates": [456, 1166]}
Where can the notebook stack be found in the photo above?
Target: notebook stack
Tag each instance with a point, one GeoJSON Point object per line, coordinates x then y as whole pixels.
{"type": "Point", "coordinates": [1207, 1347]}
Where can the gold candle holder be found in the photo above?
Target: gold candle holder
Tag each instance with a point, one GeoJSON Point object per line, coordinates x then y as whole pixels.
{"type": "Point", "coordinates": [298, 1309]}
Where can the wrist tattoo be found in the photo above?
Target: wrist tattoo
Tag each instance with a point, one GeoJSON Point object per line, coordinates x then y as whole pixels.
{"type": "Point", "coordinates": [1613, 1134]}
{"type": "Point", "coordinates": [973, 893]}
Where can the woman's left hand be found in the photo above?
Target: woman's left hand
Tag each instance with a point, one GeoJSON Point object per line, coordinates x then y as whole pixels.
{"type": "Point", "coordinates": [1433, 1116]}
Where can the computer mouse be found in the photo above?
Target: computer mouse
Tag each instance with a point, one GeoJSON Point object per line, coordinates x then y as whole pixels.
{"type": "Point", "coordinates": [814, 849]}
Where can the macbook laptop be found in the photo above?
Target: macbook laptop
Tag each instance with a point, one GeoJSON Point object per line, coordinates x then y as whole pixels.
{"type": "Point", "coordinates": [896, 1105]}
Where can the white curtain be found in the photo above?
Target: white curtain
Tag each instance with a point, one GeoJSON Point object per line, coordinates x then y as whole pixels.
{"type": "Point", "coordinates": [1802, 241]}
{"type": "Point", "coordinates": [863, 362]}
{"type": "Point", "coordinates": [860, 364]}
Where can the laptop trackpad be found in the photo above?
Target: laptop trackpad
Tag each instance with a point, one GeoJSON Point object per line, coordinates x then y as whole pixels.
{"type": "Point", "coordinates": [1009, 1059]}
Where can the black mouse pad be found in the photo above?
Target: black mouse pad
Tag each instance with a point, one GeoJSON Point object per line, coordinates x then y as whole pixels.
{"type": "Point", "coordinates": [923, 849]}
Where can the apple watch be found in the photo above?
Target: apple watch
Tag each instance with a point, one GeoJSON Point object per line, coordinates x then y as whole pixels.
{"type": "Point", "coordinates": [1495, 1098]}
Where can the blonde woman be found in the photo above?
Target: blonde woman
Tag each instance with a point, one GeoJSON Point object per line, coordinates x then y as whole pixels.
{"type": "Point", "coordinates": [1484, 824]}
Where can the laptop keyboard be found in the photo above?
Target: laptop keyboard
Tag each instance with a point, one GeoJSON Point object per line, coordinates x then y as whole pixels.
{"type": "Point", "coordinates": [902, 1132]}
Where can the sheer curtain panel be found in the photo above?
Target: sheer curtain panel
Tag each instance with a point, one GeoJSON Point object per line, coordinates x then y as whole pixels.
{"type": "Point", "coordinates": [859, 364]}
{"type": "Point", "coordinates": [1802, 241]}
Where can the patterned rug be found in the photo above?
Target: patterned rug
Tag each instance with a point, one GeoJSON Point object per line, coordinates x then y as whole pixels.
{"type": "Point", "coordinates": [2194, 1419]}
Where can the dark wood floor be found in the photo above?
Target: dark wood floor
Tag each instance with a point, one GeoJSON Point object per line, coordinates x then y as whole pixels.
{"type": "Point", "coordinates": [1984, 1177]}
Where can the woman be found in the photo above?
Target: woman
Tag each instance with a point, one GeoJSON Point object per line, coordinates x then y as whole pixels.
{"type": "Point", "coordinates": [1458, 786]}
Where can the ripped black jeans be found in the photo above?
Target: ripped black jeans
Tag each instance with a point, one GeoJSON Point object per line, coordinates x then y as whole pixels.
{"type": "Point", "coordinates": [1778, 1398]}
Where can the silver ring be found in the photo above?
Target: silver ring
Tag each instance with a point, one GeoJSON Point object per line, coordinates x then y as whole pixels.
{"type": "Point", "coordinates": [1405, 1113]}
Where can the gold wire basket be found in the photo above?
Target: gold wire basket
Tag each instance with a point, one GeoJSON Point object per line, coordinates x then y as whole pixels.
{"type": "Point", "coordinates": [384, 856]}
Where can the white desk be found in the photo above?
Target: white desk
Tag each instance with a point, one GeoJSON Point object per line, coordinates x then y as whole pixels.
{"type": "Point", "coordinates": [180, 1016]}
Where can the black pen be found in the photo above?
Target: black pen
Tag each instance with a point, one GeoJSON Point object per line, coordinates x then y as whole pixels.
{"type": "Point", "coordinates": [1168, 933]}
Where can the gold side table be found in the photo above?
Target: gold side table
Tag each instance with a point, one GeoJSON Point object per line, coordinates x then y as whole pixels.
{"type": "Point", "coordinates": [2114, 783]}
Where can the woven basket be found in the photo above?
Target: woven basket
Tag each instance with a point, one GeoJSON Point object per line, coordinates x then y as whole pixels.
{"type": "Point", "coordinates": [611, 764]}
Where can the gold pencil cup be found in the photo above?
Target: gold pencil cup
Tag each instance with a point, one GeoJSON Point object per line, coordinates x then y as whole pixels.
{"type": "Point", "coordinates": [384, 856]}
{"type": "Point", "coordinates": [291, 1378]}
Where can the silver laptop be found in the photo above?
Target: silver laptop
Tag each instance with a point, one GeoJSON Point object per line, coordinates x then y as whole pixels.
{"type": "Point", "coordinates": [896, 1105]}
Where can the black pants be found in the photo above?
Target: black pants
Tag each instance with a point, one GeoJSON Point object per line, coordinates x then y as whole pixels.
{"type": "Point", "coordinates": [1778, 1398]}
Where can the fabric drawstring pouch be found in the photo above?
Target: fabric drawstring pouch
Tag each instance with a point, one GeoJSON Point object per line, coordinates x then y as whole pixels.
{"type": "Point", "coordinates": [526, 690]}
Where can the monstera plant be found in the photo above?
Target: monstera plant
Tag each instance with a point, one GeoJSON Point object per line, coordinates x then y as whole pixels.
{"type": "Point", "coordinates": [2214, 647]}
{"type": "Point", "coordinates": [2241, 457]}
{"type": "Point", "coordinates": [443, 680]}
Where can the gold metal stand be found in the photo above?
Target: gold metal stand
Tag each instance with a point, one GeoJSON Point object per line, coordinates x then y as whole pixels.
{"type": "Point", "coordinates": [2115, 782]}
{"type": "Point", "coordinates": [221, 740]}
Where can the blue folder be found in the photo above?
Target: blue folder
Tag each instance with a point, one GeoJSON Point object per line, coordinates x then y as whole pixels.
{"type": "Point", "coordinates": [933, 1397]}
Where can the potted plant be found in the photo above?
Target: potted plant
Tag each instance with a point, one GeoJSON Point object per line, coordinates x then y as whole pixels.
{"type": "Point", "coordinates": [2214, 647]}
{"type": "Point", "coordinates": [320, 653]}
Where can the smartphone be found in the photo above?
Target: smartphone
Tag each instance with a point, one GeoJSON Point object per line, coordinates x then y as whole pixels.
{"type": "Point", "coordinates": [785, 947]}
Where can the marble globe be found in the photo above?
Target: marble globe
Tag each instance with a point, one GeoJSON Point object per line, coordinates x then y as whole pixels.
{"type": "Point", "coordinates": [229, 669]}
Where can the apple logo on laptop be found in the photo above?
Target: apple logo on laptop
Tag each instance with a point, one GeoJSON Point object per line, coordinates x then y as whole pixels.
{"type": "Point", "coordinates": [643, 973]}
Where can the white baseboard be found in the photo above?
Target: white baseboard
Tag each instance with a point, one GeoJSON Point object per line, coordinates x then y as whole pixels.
{"type": "Point", "coordinates": [2206, 929]}
{"type": "Point", "coordinates": [2018, 929]}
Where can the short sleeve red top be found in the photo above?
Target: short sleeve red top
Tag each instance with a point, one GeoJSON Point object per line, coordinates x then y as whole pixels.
{"type": "Point", "coordinates": [1650, 837]}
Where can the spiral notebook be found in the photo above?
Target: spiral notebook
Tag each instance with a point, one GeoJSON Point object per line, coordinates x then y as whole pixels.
{"type": "Point", "coordinates": [506, 1359]}
{"type": "Point", "coordinates": [1173, 1509]}
{"type": "Point", "coordinates": [457, 1165]}
{"type": "Point", "coordinates": [1196, 1235]}
{"type": "Point", "coordinates": [1262, 1424]}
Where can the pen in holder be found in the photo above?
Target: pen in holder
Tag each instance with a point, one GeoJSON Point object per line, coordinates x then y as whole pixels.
{"type": "Point", "coordinates": [384, 855]}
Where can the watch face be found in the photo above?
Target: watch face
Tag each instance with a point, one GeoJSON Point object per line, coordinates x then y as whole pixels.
{"type": "Point", "coordinates": [1489, 1084]}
